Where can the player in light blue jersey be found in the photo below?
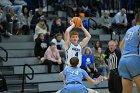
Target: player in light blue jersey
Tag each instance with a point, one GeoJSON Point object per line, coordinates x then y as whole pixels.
{"type": "Point", "coordinates": [73, 78]}
{"type": "Point", "coordinates": [72, 47]}
{"type": "Point", "coordinates": [129, 65]}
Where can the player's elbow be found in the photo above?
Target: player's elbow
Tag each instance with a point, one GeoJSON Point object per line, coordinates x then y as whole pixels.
{"type": "Point", "coordinates": [89, 36]}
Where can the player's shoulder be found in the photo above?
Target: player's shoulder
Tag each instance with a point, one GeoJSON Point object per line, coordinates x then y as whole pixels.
{"type": "Point", "coordinates": [132, 28]}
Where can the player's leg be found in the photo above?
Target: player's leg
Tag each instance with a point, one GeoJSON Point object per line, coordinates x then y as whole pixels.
{"type": "Point", "coordinates": [91, 91]}
{"type": "Point", "coordinates": [127, 85]}
{"type": "Point", "coordinates": [137, 81]}
{"type": "Point", "coordinates": [59, 91]}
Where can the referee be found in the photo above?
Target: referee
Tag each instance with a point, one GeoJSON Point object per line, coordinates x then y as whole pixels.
{"type": "Point", "coordinates": [114, 80]}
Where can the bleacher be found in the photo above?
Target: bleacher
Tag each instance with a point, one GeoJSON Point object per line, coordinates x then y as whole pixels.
{"type": "Point", "coordinates": [21, 51]}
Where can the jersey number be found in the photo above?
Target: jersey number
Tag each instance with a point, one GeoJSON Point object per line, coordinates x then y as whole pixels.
{"type": "Point", "coordinates": [130, 36]}
{"type": "Point", "coordinates": [76, 54]}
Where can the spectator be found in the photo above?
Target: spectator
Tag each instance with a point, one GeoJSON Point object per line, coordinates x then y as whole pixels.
{"type": "Point", "coordinates": [114, 81]}
{"type": "Point", "coordinates": [40, 46]}
{"type": "Point", "coordinates": [4, 3]}
{"type": "Point", "coordinates": [51, 57]}
{"type": "Point", "coordinates": [97, 44]}
{"type": "Point", "coordinates": [100, 63]}
{"type": "Point", "coordinates": [119, 21]}
{"type": "Point", "coordinates": [88, 63]}
{"type": "Point", "coordinates": [106, 23]}
{"type": "Point", "coordinates": [95, 6]}
{"type": "Point", "coordinates": [41, 27]}
{"type": "Point", "coordinates": [36, 18]}
{"type": "Point", "coordinates": [57, 27]}
{"type": "Point", "coordinates": [59, 42]}
{"type": "Point", "coordinates": [19, 2]}
{"type": "Point", "coordinates": [3, 25]}
{"type": "Point", "coordinates": [7, 4]}
{"type": "Point", "coordinates": [13, 22]}
{"type": "Point", "coordinates": [85, 9]}
{"type": "Point", "coordinates": [25, 19]}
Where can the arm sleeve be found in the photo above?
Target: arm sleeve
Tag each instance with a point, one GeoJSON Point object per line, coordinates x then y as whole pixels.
{"type": "Point", "coordinates": [125, 20]}
{"type": "Point", "coordinates": [117, 19]}
{"type": "Point", "coordinates": [48, 56]}
{"type": "Point", "coordinates": [85, 74]}
{"type": "Point", "coordinates": [58, 56]}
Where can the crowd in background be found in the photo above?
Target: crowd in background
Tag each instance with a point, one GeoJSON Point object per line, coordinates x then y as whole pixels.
{"type": "Point", "coordinates": [18, 17]}
{"type": "Point", "coordinates": [26, 17]}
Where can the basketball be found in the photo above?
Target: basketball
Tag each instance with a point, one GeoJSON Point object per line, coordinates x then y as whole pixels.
{"type": "Point", "coordinates": [77, 21]}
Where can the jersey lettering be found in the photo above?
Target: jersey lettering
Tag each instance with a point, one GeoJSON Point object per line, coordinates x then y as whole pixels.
{"type": "Point", "coordinates": [130, 36]}
{"type": "Point", "coordinates": [74, 73]}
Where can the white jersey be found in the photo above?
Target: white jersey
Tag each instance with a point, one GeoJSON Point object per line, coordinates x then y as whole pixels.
{"type": "Point", "coordinates": [72, 51]}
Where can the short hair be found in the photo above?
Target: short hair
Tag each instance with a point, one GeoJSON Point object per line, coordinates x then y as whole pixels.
{"type": "Point", "coordinates": [137, 17]}
{"type": "Point", "coordinates": [73, 33]}
{"type": "Point", "coordinates": [74, 61]}
{"type": "Point", "coordinates": [58, 34]}
{"type": "Point", "coordinates": [87, 48]}
{"type": "Point", "coordinates": [112, 41]}
{"type": "Point", "coordinates": [51, 44]}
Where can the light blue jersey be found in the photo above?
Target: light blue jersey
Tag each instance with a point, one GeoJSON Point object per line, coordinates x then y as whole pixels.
{"type": "Point", "coordinates": [129, 65]}
{"type": "Point", "coordinates": [131, 44]}
{"type": "Point", "coordinates": [74, 74]}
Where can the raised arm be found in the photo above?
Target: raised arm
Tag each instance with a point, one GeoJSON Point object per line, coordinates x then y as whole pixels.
{"type": "Point", "coordinates": [67, 35]}
{"type": "Point", "coordinates": [85, 41]}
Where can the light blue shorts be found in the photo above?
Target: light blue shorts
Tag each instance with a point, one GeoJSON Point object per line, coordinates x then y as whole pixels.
{"type": "Point", "coordinates": [129, 67]}
{"type": "Point", "coordinates": [74, 88]}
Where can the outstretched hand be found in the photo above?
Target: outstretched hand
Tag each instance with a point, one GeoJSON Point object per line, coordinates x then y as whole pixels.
{"type": "Point", "coordinates": [99, 79]}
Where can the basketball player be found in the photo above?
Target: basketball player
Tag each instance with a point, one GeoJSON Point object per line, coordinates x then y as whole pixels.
{"type": "Point", "coordinates": [74, 76]}
{"type": "Point", "coordinates": [129, 66]}
{"type": "Point", "coordinates": [72, 46]}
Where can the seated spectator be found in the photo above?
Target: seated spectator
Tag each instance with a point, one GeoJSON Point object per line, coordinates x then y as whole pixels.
{"type": "Point", "coordinates": [13, 22]}
{"type": "Point", "coordinates": [59, 42]}
{"type": "Point", "coordinates": [95, 48]}
{"type": "Point", "coordinates": [51, 57]}
{"type": "Point", "coordinates": [7, 4]}
{"type": "Point", "coordinates": [94, 6]}
{"type": "Point", "coordinates": [85, 9]}
{"type": "Point", "coordinates": [19, 2]}
{"type": "Point", "coordinates": [57, 27]}
{"type": "Point", "coordinates": [41, 27]}
{"type": "Point", "coordinates": [119, 21]}
{"type": "Point", "coordinates": [100, 63]}
{"type": "Point", "coordinates": [4, 3]}
{"type": "Point", "coordinates": [25, 20]}
{"type": "Point", "coordinates": [106, 23]}
{"type": "Point", "coordinates": [36, 18]}
{"type": "Point", "coordinates": [88, 62]}
{"type": "Point", "coordinates": [3, 25]}
{"type": "Point", "coordinates": [40, 46]}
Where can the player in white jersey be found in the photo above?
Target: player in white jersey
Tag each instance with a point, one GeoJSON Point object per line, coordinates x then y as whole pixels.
{"type": "Point", "coordinates": [72, 47]}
